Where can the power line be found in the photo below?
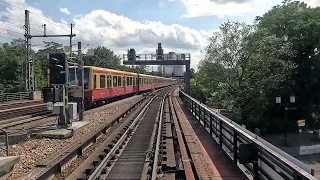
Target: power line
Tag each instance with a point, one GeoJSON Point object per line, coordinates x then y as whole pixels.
{"type": "Point", "coordinates": [47, 19]}
{"type": "Point", "coordinates": [17, 25]}
{"type": "Point", "coordinates": [30, 24]}
{"type": "Point", "coordinates": [11, 5]}
{"type": "Point", "coordinates": [50, 21]}
{"type": "Point", "coordinates": [39, 15]}
{"type": "Point", "coordinates": [87, 36]}
{"type": "Point", "coordinates": [10, 30]}
{"type": "Point", "coordinates": [6, 38]}
{"type": "Point", "coordinates": [17, 20]}
{"type": "Point", "coordinates": [15, 37]}
{"type": "Point", "coordinates": [20, 26]}
{"type": "Point", "coordinates": [10, 35]}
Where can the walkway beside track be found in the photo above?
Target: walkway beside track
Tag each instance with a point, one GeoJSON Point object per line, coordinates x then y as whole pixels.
{"type": "Point", "coordinates": [219, 165]}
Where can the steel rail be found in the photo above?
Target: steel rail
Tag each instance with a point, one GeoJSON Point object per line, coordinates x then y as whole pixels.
{"type": "Point", "coordinates": [156, 154]}
{"type": "Point", "coordinates": [183, 147]}
{"type": "Point", "coordinates": [104, 162]}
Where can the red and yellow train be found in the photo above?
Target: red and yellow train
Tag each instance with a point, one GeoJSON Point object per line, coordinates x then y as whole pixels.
{"type": "Point", "coordinates": [101, 84]}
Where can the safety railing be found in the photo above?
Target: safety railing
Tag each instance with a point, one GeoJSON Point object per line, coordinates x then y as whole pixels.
{"type": "Point", "coordinates": [244, 149]}
{"type": "Point", "coordinates": [6, 97]}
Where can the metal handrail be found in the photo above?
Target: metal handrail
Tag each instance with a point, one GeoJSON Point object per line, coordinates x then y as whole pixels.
{"type": "Point", "coordinates": [6, 97]}
{"type": "Point", "coordinates": [270, 164]}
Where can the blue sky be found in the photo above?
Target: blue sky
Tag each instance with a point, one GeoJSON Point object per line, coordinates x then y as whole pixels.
{"type": "Point", "coordinates": [183, 26]}
{"type": "Point", "coordinates": [153, 10]}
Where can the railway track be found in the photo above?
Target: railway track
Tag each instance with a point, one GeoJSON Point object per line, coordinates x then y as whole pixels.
{"type": "Point", "coordinates": [149, 145]}
{"type": "Point", "coordinates": [18, 104]}
{"type": "Point", "coordinates": [61, 165]}
{"type": "Point", "coordinates": [28, 109]}
{"type": "Point", "coordinates": [145, 142]}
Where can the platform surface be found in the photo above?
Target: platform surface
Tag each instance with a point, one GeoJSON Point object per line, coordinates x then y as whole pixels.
{"type": "Point", "coordinates": [220, 165]}
{"type": "Point", "coordinates": [78, 124]}
{"type": "Point", "coordinates": [6, 165]}
{"type": "Point", "coordinates": [57, 133]}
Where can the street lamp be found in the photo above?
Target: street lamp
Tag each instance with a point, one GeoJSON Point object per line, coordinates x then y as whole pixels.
{"type": "Point", "coordinates": [278, 99]}
{"type": "Point", "coordinates": [292, 100]}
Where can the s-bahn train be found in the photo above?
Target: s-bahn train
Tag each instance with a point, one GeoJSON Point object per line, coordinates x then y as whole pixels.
{"type": "Point", "coordinates": [101, 84]}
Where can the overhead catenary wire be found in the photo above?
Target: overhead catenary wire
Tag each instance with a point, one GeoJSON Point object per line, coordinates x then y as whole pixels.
{"type": "Point", "coordinates": [50, 20]}
{"type": "Point", "coordinates": [40, 16]}
{"type": "Point", "coordinates": [6, 29]}
{"type": "Point", "coordinates": [38, 26]}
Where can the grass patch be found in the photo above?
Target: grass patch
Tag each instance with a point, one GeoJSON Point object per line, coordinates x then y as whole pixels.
{"type": "Point", "coordinates": [149, 151]}
{"type": "Point", "coordinates": [285, 142]}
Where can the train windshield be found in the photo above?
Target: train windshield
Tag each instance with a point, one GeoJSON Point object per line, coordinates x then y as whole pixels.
{"type": "Point", "coordinates": [73, 80]}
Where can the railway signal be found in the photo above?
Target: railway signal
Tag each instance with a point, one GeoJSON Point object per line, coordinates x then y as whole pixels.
{"type": "Point", "coordinates": [56, 94]}
{"type": "Point", "coordinates": [57, 66]}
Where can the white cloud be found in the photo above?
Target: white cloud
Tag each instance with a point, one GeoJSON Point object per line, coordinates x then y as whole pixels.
{"type": "Point", "coordinates": [210, 8]}
{"type": "Point", "coordinates": [121, 33]}
{"type": "Point", "coordinates": [227, 8]}
{"type": "Point", "coordinates": [312, 3]}
{"type": "Point", "coordinates": [116, 32]}
{"type": "Point", "coordinates": [64, 10]}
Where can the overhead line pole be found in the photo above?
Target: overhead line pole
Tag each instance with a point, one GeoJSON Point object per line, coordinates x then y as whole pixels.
{"type": "Point", "coordinates": [28, 82]}
{"type": "Point", "coordinates": [29, 64]}
{"type": "Point", "coordinates": [81, 84]}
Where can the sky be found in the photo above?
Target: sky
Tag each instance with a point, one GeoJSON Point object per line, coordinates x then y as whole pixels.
{"type": "Point", "coordinates": [182, 26]}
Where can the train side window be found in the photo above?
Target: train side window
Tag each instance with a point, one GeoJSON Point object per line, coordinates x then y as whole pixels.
{"type": "Point", "coordinates": [114, 79]}
{"type": "Point", "coordinates": [128, 81]}
{"type": "Point", "coordinates": [124, 81]}
{"type": "Point", "coordinates": [108, 81]}
{"type": "Point", "coordinates": [102, 81]}
{"type": "Point", "coordinates": [119, 81]}
{"type": "Point", "coordinates": [95, 81]}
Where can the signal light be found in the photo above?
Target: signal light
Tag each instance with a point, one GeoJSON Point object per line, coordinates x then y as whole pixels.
{"type": "Point", "coordinates": [132, 55]}
{"type": "Point", "coordinates": [58, 66]}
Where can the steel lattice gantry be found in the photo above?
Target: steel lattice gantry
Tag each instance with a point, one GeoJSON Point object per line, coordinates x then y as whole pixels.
{"type": "Point", "coordinates": [160, 59]}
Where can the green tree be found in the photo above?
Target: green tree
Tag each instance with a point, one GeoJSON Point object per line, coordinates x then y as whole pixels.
{"type": "Point", "coordinates": [242, 65]}
{"type": "Point", "coordinates": [103, 57]}
{"type": "Point", "coordinates": [11, 66]}
{"type": "Point", "coordinates": [299, 25]}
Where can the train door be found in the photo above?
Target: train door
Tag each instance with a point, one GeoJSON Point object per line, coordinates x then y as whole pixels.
{"type": "Point", "coordinates": [136, 84]}
{"type": "Point", "coordinates": [124, 84]}
{"type": "Point", "coordinates": [152, 81]}
{"type": "Point", "coordinates": [109, 83]}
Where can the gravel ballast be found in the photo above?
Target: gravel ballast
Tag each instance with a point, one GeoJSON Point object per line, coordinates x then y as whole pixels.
{"type": "Point", "coordinates": [34, 150]}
